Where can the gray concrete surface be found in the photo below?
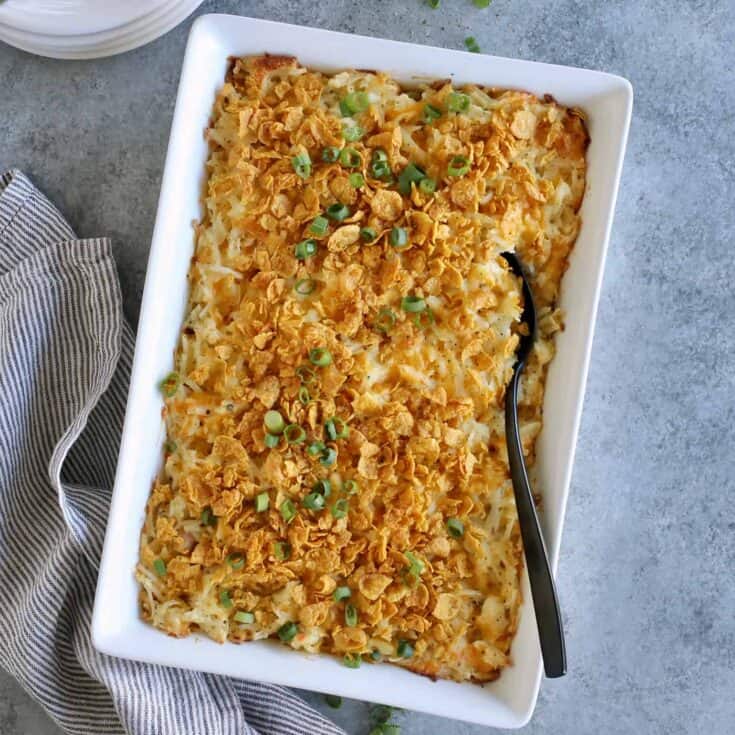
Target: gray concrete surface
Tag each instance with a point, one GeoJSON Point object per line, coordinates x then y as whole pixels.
{"type": "Point", "coordinates": [646, 571]}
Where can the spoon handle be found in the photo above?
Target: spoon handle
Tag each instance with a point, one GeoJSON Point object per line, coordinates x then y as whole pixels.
{"type": "Point", "coordinates": [543, 592]}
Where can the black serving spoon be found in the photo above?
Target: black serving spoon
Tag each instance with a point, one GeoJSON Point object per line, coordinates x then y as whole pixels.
{"type": "Point", "coordinates": [543, 592]}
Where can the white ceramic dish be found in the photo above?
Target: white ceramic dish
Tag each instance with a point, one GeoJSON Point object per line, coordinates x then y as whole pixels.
{"type": "Point", "coordinates": [117, 629]}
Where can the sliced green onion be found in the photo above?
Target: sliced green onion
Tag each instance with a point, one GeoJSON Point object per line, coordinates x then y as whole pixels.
{"type": "Point", "coordinates": [433, 4]}
{"type": "Point", "coordinates": [314, 501]}
{"type": "Point", "coordinates": [236, 560]}
{"type": "Point", "coordinates": [304, 396]}
{"type": "Point", "coordinates": [341, 593]}
{"type": "Point", "coordinates": [282, 550]}
{"type": "Point", "coordinates": [246, 618]}
{"type": "Point", "coordinates": [387, 728]}
{"type": "Point", "coordinates": [330, 154]}
{"type": "Point", "coordinates": [350, 158]}
{"type": "Point", "coordinates": [304, 286]}
{"type": "Point", "coordinates": [320, 356]}
{"type": "Point", "coordinates": [376, 655]}
{"type": "Point", "coordinates": [472, 45]}
{"type": "Point", "coordinates": [458, 166]}
{"type": "Point", "coordinates": [274, 422]}
{"type": "Point", "coordinates": [329, 457]}
{"type": "Point", "coordinates": [288, 510]}
{"type": "Point", "coordinates": [224, 598]}
{"type": "Point", "coordinates": [455, 527]}
{"type": "Point", "coordinates": [399, 237]}
{"type": "Point", "coordinates": [379, 166]}
{"type": "Point", "coordinates": [340, 508]}
{"type": "Point", "coordinates": [352, 661]}
{"type": "Point", "coordinates": [170, 384]}
{"type": "Point", "coordinates": [302, 165]}
{"type": "Point", "coordinates": [427, 185]}
{"type": "Point", "coordinates": [306, 374]}
{"type": "Point", "coordinates": [379, 155]}
{"type": "Point", "coordinates": [351, 615]}
{"type": "Point", "coordinates": [351, 487]}
{"type": "Point", "coordinates": [404, 649]}
{"type": "Point", "coordinates": [412, 173]}
{"type": "Point", "coordinates": [333, 700]}
{"type": "Point", "coordinates": [287, 632]}
{"type": "Point", "coordinates": [458, 102]}
{"type": "Point", "coordinates": [424, 318]}
{"type": "Point", "coordinates": [354, 103]}
{"type": "Point", "coordinates": [169, 446]}
{"type": "Point", "coordinates": [323, 487]}
{"type": "Point", "coordinates": [413, 571]}
{"type": "Point", "coordinates": [481, 3]}
{"type": "Point", "coordinates": [159, 567]}
{"type": "Point", "coordinates": [431, 113]}
{"type": "Point", "coordinates": [294, 434]}
{"type": "Point", "coordinates": [413, 304]}
{"type": "Point", "coordinates": [368, 234]}
{"type": "Point", "coordinates": [338, 212]}
{"type": "Point", "coordinates": [262, 501]}
{"type": "Point", "coordinates": [319, 225]}
{"type": "Point", "coordinates": [271, 440]}
{"type": "Point", "coordinates": [208, 518]}
{"type": "Point", "coordinates": [357, 180]}
{"type": "Point", "coordinates": [315, 449]}
{"type": "Point", "coordinates": [385, 320]}
{"type": "Point", "coordinates": [305, 249]}
{"type": "Point", "coordinates": [336, 428]}
{"type": "Point", "coordinates": [352, 133]}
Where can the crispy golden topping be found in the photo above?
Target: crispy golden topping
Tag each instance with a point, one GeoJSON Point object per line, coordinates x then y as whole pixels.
{"type": "Point", "coordinates": [336, 473]}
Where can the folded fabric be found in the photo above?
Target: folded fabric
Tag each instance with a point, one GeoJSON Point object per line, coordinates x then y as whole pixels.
{"type": "Point", "coordinates": [65, 355]}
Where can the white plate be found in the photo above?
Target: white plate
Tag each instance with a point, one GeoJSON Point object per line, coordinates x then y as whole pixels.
{"type": "Point", "coordinates": [86, 29]}
{"type": "Point", "coordinates": [117, 628]}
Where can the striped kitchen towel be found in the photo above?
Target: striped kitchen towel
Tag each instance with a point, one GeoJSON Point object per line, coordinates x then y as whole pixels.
{"type": "Point", "coordinates": [65, 355]}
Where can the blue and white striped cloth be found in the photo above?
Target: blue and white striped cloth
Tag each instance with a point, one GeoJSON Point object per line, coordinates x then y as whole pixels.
{"type": "Point", "coordinates": [65, 355]}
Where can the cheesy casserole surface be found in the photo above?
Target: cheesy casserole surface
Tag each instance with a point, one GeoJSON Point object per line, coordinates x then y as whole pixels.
{"type": "Point", "coordinates": [335, 467]}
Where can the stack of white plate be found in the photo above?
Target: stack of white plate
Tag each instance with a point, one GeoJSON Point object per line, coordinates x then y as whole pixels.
{"type": "Point", "coordinates": [88, 29]}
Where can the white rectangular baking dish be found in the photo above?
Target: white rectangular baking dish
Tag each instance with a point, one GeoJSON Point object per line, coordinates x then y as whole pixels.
{"type": "Point", "coordinates": [117, 628]}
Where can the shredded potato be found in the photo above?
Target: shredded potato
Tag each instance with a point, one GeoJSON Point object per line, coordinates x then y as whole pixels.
{"type": "Point", "coordinates": [411, 345]}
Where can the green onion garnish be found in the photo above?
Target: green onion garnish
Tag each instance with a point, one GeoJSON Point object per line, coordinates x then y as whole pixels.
{"type": "Point", "coordinates": [333, 700]}
{"type": "Point", "coordinates": [357, 180]}
{"type": "Point", "coordinates": [379, 156]}
{"type": "Point", "coordinates": [305, 249]}
{"type": "Point", "coordinates": [320, 356]}
{"type": "Point", "coordinates": [314, 501]}
{"type": "Point", "coordinates": [170, 384]}
{"type": "Point", "coordinates": [330, 154]}
{"type": "Point", "coordinates": [431, 113]}
{"type": "Point", "coordinates": [338, 212]}
{"type": "Point", "coordinates": [412, 173]}
{"type": "Point", "coordinates": [481, 3]}
{"type": "Point", "coordinates": [340, 508]}
{"type": "Point", "coordinates": [236, 560]}
{"type": "Point", "coordinates": [458, 166]}
{"type": "Point", "coordinates": [472, 45]}
{"type": "Point", "coordinates": [282, 550]}
{"type": "Point", "coordinates": [413, 571]}
{"type": "Point", "coordinates": [399, 237]}
{"type": "Point", "coordinates": [350, 487]}
{"type": "Point", "coordinates": [351, 615]}
{"type": "Point", "coordinates": [315, 449]}
{"type": "Point", "coordinates": [246, 618]}
{"type": "Point", "coordinates": [413, 304]}
{"type": "Point", "coordinates": [458, 102]}
{"type": "Point", "coordinates": [224, 598]}
{"type": "Point", "coordinates": [404, 649]}
{"type": "Point", "coordinates": [294, 434]}
{"type": "Point", "coordinates": [350, 158]}
{"type": "Point", "coordinates": [455, 527]}
{"type": "Point", "coordinates": [287, 632]}
{"type": "Point", "coordinates": [385, 320]}
{"type": "Point", "coordinates": [376, 655]}
{"type": "Point", "coordinates": [304, 396]}
{"type": "Point", "coordinates": [352, 133]}
{"type": "Point", "coordinates": [329, 457]}
{"type": "Point", "coordinates": [319, 225]}
{"type": "Point", "coordinates": [304, 286]}
{"type": "Point", "coordinates": [271, 440]}
{"type": "Point", "coordinates": [341, 593]}
{"type": "Point", "coordinates": [302, 165]}
{"type": "Point", "coordinates": [424, 318]}
{"type": "Point", "coordinates": [208, 518]}
{"type": "Point", "coordinates": [433, 4]}
{"type": "Point", "coordinates": [262, 501]}
{"type": "Point", "coordinates": [169, 446]}
{"type": "Point", "coordinates": [323, 487]}
{"type": "Point", "coordinates": [379, 166]}
{"type": "Point", "coordinates": [368, 234]}
{"type": "Point", "coordinates": [274, 422]}
{"type": "Point", "coordinates": [159, 567]}
{"type": "Point", "coordinates": [288, 510]}
{"type": "Point", "coordinates": [354, 103]}
{"type": "Point", "coordinates": [352, 661]}
{"type": "Point", "coordinates": [427, 185]}
{"type": "Point", "coordinates": [336, 428]}
{"type": "Point", "coordinates": [306, 374]}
